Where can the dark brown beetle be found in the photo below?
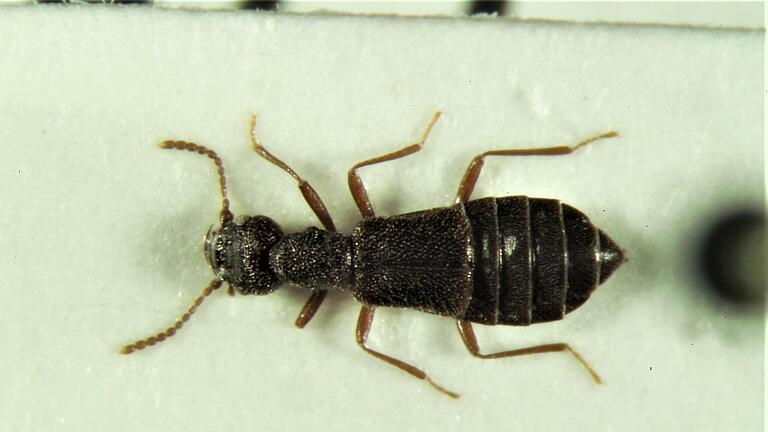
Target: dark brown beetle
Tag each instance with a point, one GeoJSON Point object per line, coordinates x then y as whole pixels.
{"type": "Point", "coordinates": [512, 260]}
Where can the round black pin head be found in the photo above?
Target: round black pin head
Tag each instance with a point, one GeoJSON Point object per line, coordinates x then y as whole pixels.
{"type": "Point", "coordinates": [239, 254]}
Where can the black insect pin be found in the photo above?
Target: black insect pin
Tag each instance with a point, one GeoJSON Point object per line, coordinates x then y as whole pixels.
{"type": "Point", "coordinates": [509, 261]}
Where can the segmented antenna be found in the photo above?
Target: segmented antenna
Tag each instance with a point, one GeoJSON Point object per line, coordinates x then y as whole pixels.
{"type": "Point", "coordinates": [226, 215]}
{"type": "Point", "coordinates": [170, 331]}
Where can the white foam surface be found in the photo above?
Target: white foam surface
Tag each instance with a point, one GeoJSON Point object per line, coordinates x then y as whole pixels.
{"type": "Point", "coordinates": [101, 230]}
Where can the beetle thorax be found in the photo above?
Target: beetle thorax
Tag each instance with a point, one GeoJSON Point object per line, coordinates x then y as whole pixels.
{"type": "Point", "coordinates": [313, 259]}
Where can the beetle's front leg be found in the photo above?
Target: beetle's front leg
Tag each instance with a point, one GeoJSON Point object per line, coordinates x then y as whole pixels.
{"type": "Point", "coordinates": [318, 207]}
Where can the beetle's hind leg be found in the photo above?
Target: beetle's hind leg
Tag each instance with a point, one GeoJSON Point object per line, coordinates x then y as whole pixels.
{"type": "Point", "coordinates": [364, 323]}
{"type": "Point", "coordinates": [356, 185]}
{"type": "Point", "coordinates": [469, 180]}
{"type": "Point", "coordinates": [470, 340]}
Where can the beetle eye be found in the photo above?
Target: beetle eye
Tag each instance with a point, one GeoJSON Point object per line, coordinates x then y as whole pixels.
{"type": "Point", "coordinates": [210, 249]}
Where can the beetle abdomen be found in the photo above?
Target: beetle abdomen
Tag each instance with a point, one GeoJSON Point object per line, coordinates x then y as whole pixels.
{"type": "Point", "coordinates": [535, 260]}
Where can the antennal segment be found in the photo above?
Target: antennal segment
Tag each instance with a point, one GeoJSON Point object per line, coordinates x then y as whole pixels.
{"type": "Point", "coordinates": [170, 331]}
{"type": "Point", "coordinates": [226, 215]}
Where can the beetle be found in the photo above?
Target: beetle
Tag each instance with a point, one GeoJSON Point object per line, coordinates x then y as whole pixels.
{"type": "Point", "coordinates": [496, 261]}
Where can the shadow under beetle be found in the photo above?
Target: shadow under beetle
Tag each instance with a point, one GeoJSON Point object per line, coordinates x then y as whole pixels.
{"type": "Point", "coordinates": [512, 260]}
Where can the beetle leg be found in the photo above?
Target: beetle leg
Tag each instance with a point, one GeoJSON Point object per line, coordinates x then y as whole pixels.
{"type": "Point", "coordinates": [307, 191]}
{"type": "Point", "coordinates": [356, 185]}
{"type": "Point", "coordinates": [309, 309]}
{"type": "Point", "coordinates": [318, 207]}
{"type": "Point", "coordinates": [467, 184]}
{"type": "Point", "coordinates": [364, 327]}
{"type": "Point", "coordinates": [470, 340]}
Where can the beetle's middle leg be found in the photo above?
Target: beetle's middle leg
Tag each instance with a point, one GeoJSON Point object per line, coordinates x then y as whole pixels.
{"type": "Point", "coordinates": [356, 184]}
{"type": "Point", "coordinates": [318, 207]}
{"type": "Point", "coordinates": [364, 323]}
{"type": "Point", "coordinates": [470, 340]}
{"type": "Point", "coordinates": [467, 184]}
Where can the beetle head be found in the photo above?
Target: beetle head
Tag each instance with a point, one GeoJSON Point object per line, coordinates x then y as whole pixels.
{"type": "Point", "coordinates": [238, 253]}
